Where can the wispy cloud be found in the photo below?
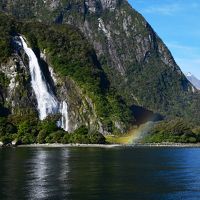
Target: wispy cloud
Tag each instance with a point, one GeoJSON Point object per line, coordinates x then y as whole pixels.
{"type": "Point", "coordinates": [189, 65]}
{"type": "Point", "coordinates": [176, 22]}
{"type": "Point", "coordinates": [167, 7]}
{"type": "Point", "coordinates": [187, 57]}
{"type": "Point", "coordinates": [164, 9]}
{"type": "Point", "coordinates": [182, 47]}
{"type": "Point", "coordinates": [189, 62]}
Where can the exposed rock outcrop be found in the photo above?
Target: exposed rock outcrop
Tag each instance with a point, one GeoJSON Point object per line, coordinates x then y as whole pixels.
{"type": "Point", "coordinates": [138, 65]}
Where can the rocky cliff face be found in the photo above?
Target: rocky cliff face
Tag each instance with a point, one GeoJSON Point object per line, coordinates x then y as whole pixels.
{"type": "Point", "coordinates": [18, 95]}
{"type": "Point", "coordinates": [81, 108]}
{"type": "Point", "coordinates": [136, 62]}
{"type": "Point", "coordinates": [71, 69]}
{"type": "Point", "coordinates": [20, 98]}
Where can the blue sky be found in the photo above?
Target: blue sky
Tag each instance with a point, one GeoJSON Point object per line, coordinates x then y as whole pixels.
{"type": "Point", "coordinates": [177, 22]}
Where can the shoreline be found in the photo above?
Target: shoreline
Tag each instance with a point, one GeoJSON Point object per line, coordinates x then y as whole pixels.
{"type": "Point", "coordinates": [70, 145]}
{"type": "Point", "coordinates": [137, 145]}
{"type": "Point", "coordinates": [177, 145]}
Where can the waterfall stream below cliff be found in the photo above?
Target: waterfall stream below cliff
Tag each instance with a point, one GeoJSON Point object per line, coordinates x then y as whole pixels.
{"type": "Point", "coordinates": [47, 103]}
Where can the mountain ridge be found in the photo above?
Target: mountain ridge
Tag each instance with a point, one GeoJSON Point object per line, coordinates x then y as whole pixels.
{"type": "Point", "coordinates": [194, 80]}
{"type": "Point", "coordinates": [128, 59]}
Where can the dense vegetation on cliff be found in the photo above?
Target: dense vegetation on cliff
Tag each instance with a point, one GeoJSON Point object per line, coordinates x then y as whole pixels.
{"type": "Point", "coordinates": [109, 52]}
{"type": "Point", "coordinates": [78, 60]}
{"type": "Point", "coordinates": [136, 62]}
{"type": "Point", "coordinates": [30, 130]}
{"type": "Point", "coordinates": [70, 56]}
{"type": "Point", "coordinates": [173, 131]}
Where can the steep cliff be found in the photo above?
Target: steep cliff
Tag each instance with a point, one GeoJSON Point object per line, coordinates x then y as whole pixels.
{"type": "Point", "coordinates": [127, 70]}
{"type": "Point", "coordinates": [70, 67]}
{"type": "Point", "coordinates": [136, 61]}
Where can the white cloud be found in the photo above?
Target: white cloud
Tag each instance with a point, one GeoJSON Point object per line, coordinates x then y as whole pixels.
{"type": "Point", "coordinates": [165, 9]}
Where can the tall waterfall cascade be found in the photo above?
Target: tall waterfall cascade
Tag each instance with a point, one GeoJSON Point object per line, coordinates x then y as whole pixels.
{"type": "Point", "coordinates": [47, 103]}
{"type": "Point", "coordinates": [64, 118]}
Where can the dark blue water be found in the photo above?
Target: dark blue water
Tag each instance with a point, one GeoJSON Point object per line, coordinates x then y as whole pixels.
{"type": "Point", "coordinates": [100, 174]}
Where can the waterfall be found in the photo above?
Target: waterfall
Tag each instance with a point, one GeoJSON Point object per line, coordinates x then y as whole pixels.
{"type": "Point", "coordinates": [64, 118]}
{"type": "Point", "coordinates": [47, 102]}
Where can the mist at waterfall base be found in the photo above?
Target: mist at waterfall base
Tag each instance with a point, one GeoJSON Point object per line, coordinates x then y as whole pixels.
{"type": "Point", "coordinates": [47, 103]}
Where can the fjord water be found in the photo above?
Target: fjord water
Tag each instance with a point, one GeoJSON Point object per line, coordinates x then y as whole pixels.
{"type": "Point", "coordinates": [100, 174]}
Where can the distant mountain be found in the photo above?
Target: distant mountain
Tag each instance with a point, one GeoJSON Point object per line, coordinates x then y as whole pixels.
{"type": "Point", "coordinates": [194, 80]}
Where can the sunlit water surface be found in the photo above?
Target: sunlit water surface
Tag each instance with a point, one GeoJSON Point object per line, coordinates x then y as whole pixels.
{"type": "Point", "coordinates": [100, 174]}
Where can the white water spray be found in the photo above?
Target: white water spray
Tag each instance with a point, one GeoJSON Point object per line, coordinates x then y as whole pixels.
{"type": "Point", "coordinates": [47, 103]}
{"type": "Point", "coordinates": [64, 119]}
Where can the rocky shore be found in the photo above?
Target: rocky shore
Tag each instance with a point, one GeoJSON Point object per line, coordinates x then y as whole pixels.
{"type": "Point", "coordinates": [72, 145]}
{"type": "Point", "coordinates": [136, 145]}
{"type": "Point", "coordinates": [180, 145]}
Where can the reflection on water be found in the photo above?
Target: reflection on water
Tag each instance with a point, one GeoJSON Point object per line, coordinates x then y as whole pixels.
{"type": "Point", "coordinates": [38, 174]}
{"type": "Point", "coordinates": [96, 174]}
{"type": "Point", "coordinates": [48, 172]}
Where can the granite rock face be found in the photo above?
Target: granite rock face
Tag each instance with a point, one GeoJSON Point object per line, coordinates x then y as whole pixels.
{"type": "Point", "coordinates": [131, 53]}
{"type": "Point", "coordinates": [19, 97]}
{"type": "Point", "coordinates": [81, 109]}
{"type": "Point", "coordinates": [135, 60]}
